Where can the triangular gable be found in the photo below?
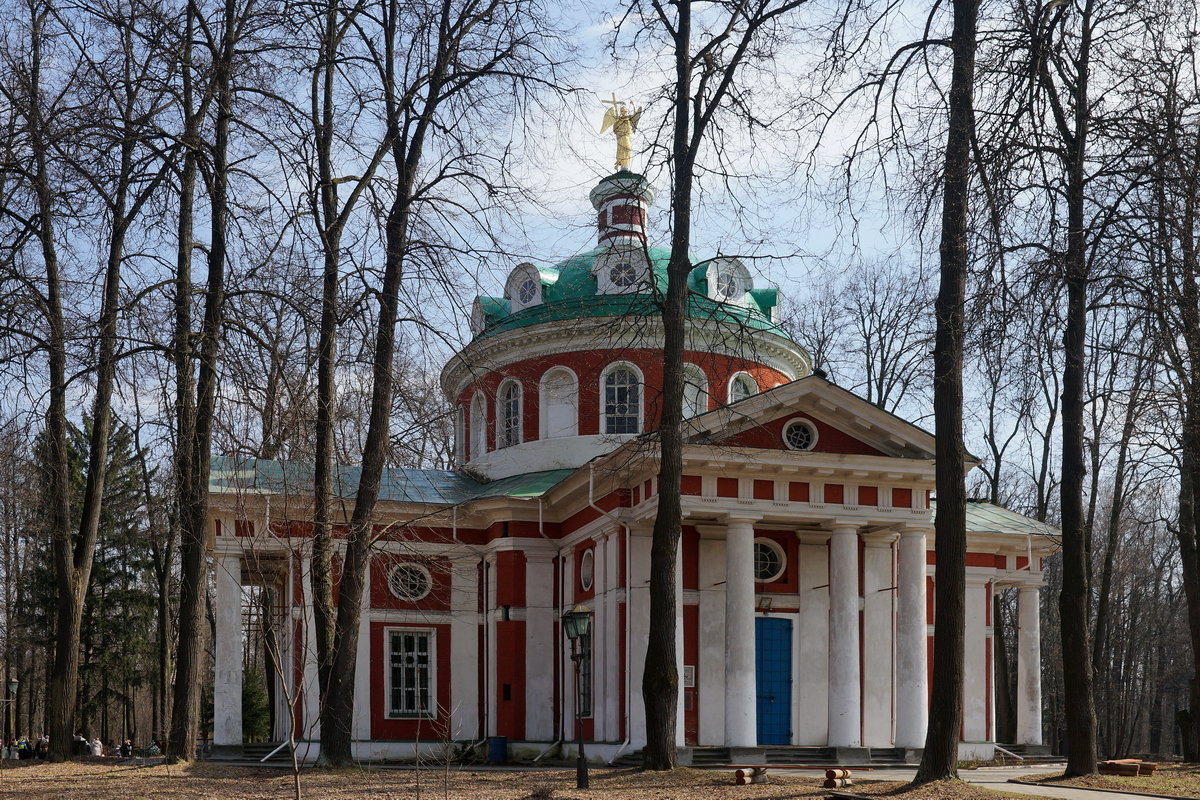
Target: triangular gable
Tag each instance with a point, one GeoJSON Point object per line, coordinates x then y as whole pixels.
{"type": "Point", "coordinates": [845, 422]}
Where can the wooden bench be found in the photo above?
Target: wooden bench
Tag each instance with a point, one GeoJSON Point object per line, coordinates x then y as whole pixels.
{"type": "Point", "coordinates": [1126, 767]}
{"type": "Point", "coordinates": [743, 774]}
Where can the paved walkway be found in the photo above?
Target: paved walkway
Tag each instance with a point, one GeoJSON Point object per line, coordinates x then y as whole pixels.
{"type": "Point", "coordinates": [997, 778]}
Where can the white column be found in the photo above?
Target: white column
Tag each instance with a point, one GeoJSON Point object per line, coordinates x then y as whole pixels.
{"type": "Point", "coordinates": [912, 671]}
{"type": "Point", "coordinates": [741, 711]}
{"type": "Point", "coordinates": [878, 614]}
{"type": "Point", "coordinates": [227, 651]}
{"type": "Point", "coordinates": [710, 672]}
{"type": "Point", "coordinates": [810, 719]}
{"type": "Point", "coordinates": [309, 686]}
{"type": "Point", "coordinates": [975, 673]}
{"type": "Point", "coordinates": [1029, 667]}
{"type": "Point", "coordinates": [539, 644]}
{"type": "Point", "coordinates": [845, 705]}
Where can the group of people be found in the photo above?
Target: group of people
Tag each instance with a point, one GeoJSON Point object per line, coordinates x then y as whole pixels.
{"type": "Point", "coordinates": [24, 748]}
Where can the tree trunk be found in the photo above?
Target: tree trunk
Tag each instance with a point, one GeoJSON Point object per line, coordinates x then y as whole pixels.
{"type": "Point", "coordinates": [940, 757]}
{"type": "Point", "coordinates": [660, 679]}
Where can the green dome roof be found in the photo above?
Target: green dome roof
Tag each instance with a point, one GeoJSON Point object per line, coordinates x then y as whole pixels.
{"type": "Point", "coordinates": [569, 292]}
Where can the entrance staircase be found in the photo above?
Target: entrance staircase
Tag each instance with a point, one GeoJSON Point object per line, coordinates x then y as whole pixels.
{"type": "Point", "coordinates": [258, 750]}
{"type": "Point", "coordinates": [710, 757]}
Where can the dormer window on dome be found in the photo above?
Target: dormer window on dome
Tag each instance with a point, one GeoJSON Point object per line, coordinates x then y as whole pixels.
{"type": "Point", "coordinates": [523, 288]}
{"type": "Point", "coordinates": [622, 270]}
{"type": "Point", "coordinates": [728, 281]}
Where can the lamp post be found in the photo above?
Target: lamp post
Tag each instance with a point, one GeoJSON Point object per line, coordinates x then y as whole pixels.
{"type": "Point", "coordinates": [10, 697]}
{"type": "Point", "coordinates": [576, 623]}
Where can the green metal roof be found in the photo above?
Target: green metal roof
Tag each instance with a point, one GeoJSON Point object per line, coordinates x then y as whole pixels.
{"type": "Point", "coordinates": [984, 517]}
{"type": "Point", "coordinates": [569, 292]}
{"type": "Point", "coordinates": [235, 474]}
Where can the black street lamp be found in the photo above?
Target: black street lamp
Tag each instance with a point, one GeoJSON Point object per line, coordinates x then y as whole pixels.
{"type": "Point", "coordinates": [10, 697]}
{"type": "Point", "coordinates": [575, 624]}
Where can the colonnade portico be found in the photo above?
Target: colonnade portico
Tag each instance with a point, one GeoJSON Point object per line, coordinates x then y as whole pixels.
{"type": "Point", "coordinates": [827, 702]}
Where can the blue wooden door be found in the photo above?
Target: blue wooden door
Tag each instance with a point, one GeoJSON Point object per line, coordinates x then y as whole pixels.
{"type": "Point", "coordinates": [773, 671]}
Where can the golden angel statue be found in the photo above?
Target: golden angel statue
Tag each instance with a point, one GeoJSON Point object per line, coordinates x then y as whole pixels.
{"type": "Point", "coordinates": [623, 118]}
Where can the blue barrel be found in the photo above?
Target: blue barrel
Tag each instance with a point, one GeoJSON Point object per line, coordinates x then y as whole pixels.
{"type": "Point", "coordinates": [498, 749]}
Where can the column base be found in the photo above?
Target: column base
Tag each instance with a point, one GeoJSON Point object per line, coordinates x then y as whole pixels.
{"type": "Point", "coordinates": [225, 752]}
{"type": "Point", "coordinates": [853, 755]}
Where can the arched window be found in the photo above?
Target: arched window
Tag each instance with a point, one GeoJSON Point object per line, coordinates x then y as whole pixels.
{"type": "Point", "coordinates": [741, 387]}
{"type": "Point", "coordinates": [559, 403]}
{"type": "Point", "coordinates": [508, 415]}
{"type": "Point", "coordinates": [622, 399]}
{"type": "Point", "coordinates": [478, 425]}
{"type": "Point", "coordinates": [695, 391]}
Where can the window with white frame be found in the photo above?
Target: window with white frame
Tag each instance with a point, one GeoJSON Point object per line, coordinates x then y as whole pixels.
{"type": "Point", "coordinates": [478, 425]}
{"type": "Point", "coordinates": [559, 403]}
{"type": "Point", "coordinates": [410, 673]}
{"type": "Point", "coordinates": [741, 387]}
{"type": "Point", "coordinates": [695, 391]}
{"type": "Point", "coordinates": [622, 400]}
{"type": "Point", "coordinates": [508, 422]}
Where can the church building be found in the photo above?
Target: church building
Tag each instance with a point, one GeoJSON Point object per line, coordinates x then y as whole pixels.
{"type": "Point", "coordinates": [805, 569]}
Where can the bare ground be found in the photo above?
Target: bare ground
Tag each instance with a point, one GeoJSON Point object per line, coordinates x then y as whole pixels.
{"type": "Point", "coordinates": [105, 780]}
{"type": "Point", "coordinates": [1181, 780]}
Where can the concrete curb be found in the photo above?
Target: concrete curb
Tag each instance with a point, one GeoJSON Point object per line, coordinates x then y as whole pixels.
{"type": "Point", "coordinates": [1094, 789]}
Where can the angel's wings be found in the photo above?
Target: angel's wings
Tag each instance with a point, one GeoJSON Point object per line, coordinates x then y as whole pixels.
{"type": "Point", "coordinates": [610, 119]}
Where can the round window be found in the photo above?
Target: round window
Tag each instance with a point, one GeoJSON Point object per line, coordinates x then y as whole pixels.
{"type": "Point", "coordinates": [587, 569]}
{"type": "Point", "coordinates": [768, 560]}
{"type": "Point", "coordinates": [409, 582]}
{"type": "Point", "coordinates": [727, 285]}
{"type": "Point", "coordinates": [623, 274]}
{"type": "Point", "coordinates": [527, 292]}
{"type": "Point", "coordinates": [800, 434]}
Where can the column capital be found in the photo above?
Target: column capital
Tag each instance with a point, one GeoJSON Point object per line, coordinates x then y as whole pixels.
{"type": "Point", "coordinates": [841, 527]}
{"type": "Point", "coordinates": [734, 518]}
{"type": "Point", "coordinates": [709, 531]}
{"type": "Point", "coordinates": [879, 538]}
{"type": "Point", "coordinates": [813, 537]}
{"type": "Point", "coordinates": [1033, 583]}
{"type": "Point", "coordinates": [908, 530]}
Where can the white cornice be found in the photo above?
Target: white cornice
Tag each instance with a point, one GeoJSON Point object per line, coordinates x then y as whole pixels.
{"type": "Point", "coordinates": [493, 353]}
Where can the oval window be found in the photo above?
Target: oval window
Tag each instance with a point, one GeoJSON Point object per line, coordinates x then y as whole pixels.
{"type": "Point", "coordinates": [409, 582]}
{"type": "Point", "coordinates": [768, 560]}
{"type": "Point", "coordinates": [623, 274]}
{"type": "Point", "coordinates": [800, 434]}
{"type": "Point", "coordinates": [587, 569]}
{"type": "Point", "coordinates": [527, 292]}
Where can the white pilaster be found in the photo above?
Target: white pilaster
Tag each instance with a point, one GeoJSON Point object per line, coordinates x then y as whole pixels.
{"type": "Point", "coordinates": [1029, 667]}
{"type": "Point", "coordinates": [975, 676]}
{"type": "Point", "coordinates": [680, 701]}
{"type": "Point", "coordinates": [810, 718]}
{"type": "Point", "coordinates": [912, 674]}
{"type": "Point", "coordinates": [362, 673]}
{"type": "Point", "coordinates": [227, 651]}
{"type": "Point", "coordinates": [741, 712]}
{"type": "Point", "coordinates": [639, 629]}
{"type": "Point", "coordinates": [539, 644]}
{"type": "Point", "coordinates": [710, 671]}
{"type": "Point", "coordinates": [878, 614]}
{"type": "Point", "coordinates": [845, 704]}
{"type": "Point", "coordinates": [612, 634]}
{"type": "Point", "coordinates": [464, 649]}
